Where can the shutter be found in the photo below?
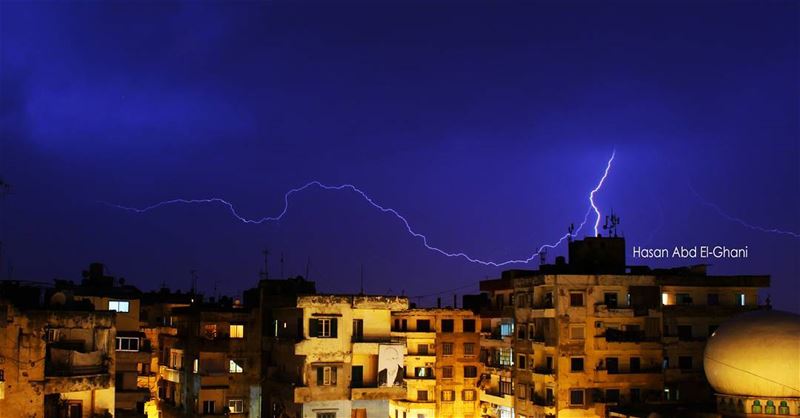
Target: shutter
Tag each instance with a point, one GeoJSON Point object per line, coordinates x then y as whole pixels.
{"type": "Point", "coordinates": [334, 327]}
{"type": "Point", "coordinates": [320, 376]}
{"type": "Point", "coordinates": [313, 327]}
{"type": "Point", "coordinates": [333, 376]}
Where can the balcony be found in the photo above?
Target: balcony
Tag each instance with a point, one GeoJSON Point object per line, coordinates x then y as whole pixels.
{"type": "Point", "coordinates": [73, 363]}
{"type": "Point", "coordinates": [171, 375]}
{"type": "Point", "coordinates": [377, 393]}
{"type": "Point", "coordinates": [495, 397]}
{"type": "Point", "coordinates": [542, 401]}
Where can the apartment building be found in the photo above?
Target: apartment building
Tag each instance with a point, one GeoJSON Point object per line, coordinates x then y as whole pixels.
{"type": "Point", "coordinates": [442, 368]}
{"type": "Point", "coordinates": [56, 355]}
{"type": "Point", "coordinates": [332, 356]}
{"type": "Point", "coordinates": [594, 335]}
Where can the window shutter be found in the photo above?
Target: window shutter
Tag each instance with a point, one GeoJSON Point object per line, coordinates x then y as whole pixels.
{"type": "Point", "coordinates": [333, 376]}
{"type": "Point", "coordinates": [334, 327]}
{"type": "Point", "coordinates": [320, 376]}
{"type": "Point", "coordinates": [313, 327]}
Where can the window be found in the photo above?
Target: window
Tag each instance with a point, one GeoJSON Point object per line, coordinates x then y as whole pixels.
{"type": "Point", "coordinates": [610, 299]}
{"type": "Point", "coordinates": [447, 325]}
{"type": "Point", "coordinates": [469, 325]}
{"type": "Point", "coordinates": [636, 364]}
{"type": "Point", "coordinates": [522, 363]}
{"type": "Point", "coordinates": [576, 364]}
{"type": "Point", "coordinates": [422, 349]}
{"type": "Point", "coordinates": [612, 365]}
{"type": "Point", "coordinates": [549, 396]}
{"type": "Point", "coordinates": [522, 391]}
{"type": "Point", "coordinates": [577, 332]}
{"type": "Point", "coordinates": [507, 329]}
{"type": "Point", "coordinates": [636, 395]}
{"type": "Point", "coordinates": [119, 305]}
{"type": "Point", "coordinates": [448, 396]}
{"type": "Point", "coordinates": [504, 357]}
{"type": "Point", "coordinates": [2, 376]}
{"type": "Point", "coordinates": [683, 299]}
{"type": "Point", "coordinates": [531, 331]}
{"type": "Point", "coordinates": [127, 344]}
{"type": "Point", "coordinates": [358, 329]}
{"type": "Point", "coordinates": [236, 366]}
{"type": "Point", "coordinates": [195, 366]}
{"type": "Point", "coordinates": [713, 299]}
{"type": "Point", "coordinates": [521, 332]}
{"type": "Point", "coordinates": [447, 372]}
{"type": "Point", "coordinates": [576, 397]}
{"type": "Point", "coordinates": [665, 298]}
{"type": "Point", "coordinates": [612, 395]}
{"type": "Point", "coordinates": [326, 376]}
{"type": "Point", "coordinates": [323, 327]}
{"type": "Point", "coordinates": [208, 407]}
{"type": "Point", "coordinates": [685, 362]}
{"type": "Point", "coordinates": [423, 372]}
{"type": "Point", "coordinates": [770, 408]}
{"type": "Point", "coordinates": [783, 409]}
{"type": "Point", "coordinates": [506, 386]}
{"type": "Point", "coordinates": [235, 406]}
{"type": "Point", "coordinates": [210, 331]}
{"type": "Point", "coordinates": [237, 331]}
{"type": "Point", "coordinates": [576, 299]}
{"type": "Point", "coordinates": [468, 395]}
{"type": "Point", "coordinates": [447, 349]}
{"type": "Point", "coordinates": [422, 395]}
{"type": "Point", "coordinates": [326, 414]}
{"type": "Point", "coordinates": [756, 409]}
{"type": "Point", "coordinates": [470, 371]}
{"type": "Point", "coordinates": [423, 325]}
{"type": "Point", "coordinates": [357, 376]}
{"type": "Point", "coordinates": [469, 349]}
{"type": "Point", "coordinates": [684, 332]}
{"type": "Point", "coordinates": [741, 299]}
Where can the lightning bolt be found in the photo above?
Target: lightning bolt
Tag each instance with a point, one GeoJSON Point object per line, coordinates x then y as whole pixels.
{"type": "Point", "coordinates": [741, 221]}
{"type": "Point", "coordinates": [376, 205]}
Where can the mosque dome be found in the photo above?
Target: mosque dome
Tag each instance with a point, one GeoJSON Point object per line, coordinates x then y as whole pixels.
{"type": "Point", "coordinates": [755, 354]}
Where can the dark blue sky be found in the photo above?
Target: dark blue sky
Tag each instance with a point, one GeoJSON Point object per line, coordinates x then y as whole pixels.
{"type": "Point", "coordinates": [485, 124]}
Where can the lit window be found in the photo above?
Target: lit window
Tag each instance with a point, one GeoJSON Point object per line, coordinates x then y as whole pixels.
{"type": "Point", "coordinates": [468, 395]}
{"type": "Point", "coordinates": [505, 357]}
{"type": "Point", "coordinates": [448, 396]}
{"type": "Point", "coordinates": [237, 331]}
{"type": "Point", "coordinates": [522, 391]}
{"type": "Point", "coordinates": [127, 344]}
{"type": "Point", "coordinates": [119, 305]}
{"type": "Point", "coordinates": [325, 327]}
{"type": "Point", "coordinates": [235, 366]}
{"type": "Point", "coordinates": [235, 406]}
{"type": "Point", "coordinates": [210, 331]}
{"type": "Point", "coordinates": [195, 365]}
{"type": "Point", "coordinates": [506, 329]}
{"type": "Point", "coordinates": [664, 299]}
{"type": "Point", "coordinates": [741, 299]}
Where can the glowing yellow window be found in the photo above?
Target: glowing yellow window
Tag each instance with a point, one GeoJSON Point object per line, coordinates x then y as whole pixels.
{"type": "Point", "coordinates": [237, 331]}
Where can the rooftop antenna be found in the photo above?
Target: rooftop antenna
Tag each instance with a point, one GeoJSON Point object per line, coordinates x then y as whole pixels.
{"type": "Point", "coordinates": [265, 272]}
{"type": "Point", "coordinates": [571, 231]}
{"type": "Point", "coordinates": [612, 221]}
{"type": "Point", "coordinates": [193, 273]}
{"type": "Point", "coordinates": [362, 279]}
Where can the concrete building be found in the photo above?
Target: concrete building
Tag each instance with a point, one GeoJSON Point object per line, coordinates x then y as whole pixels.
{"type": "Point", "coordinates": [594, 336]}
{"type": "Point", "coordinates": [332, 356]}
{"type": "Point", "coordinates": [56, 355]}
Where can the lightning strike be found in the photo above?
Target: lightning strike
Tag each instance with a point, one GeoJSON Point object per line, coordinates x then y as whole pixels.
{"type": "Point", "coordinates": [741, 221]}
{"type": "Point", "coordinates": [393, 212]}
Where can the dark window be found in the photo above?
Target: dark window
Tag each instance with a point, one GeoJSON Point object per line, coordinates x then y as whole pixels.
{"type": "Point", "coordinates": [549, 363]}
{"type": "Point", "coordinates": [358, 376]}
{"type": "Point", "coordinates": [447, 349]}
{"type": "Point", "coordinates": [470, 371]}
{"type": "Point", "coordinates": [469, 325]}
{"type": "Point", "coordinates": [208, 407]}
{"type": "Point", "coordinates": [549, 396]}
{"type": "Point", "coordinates": [684, 332]}
{"type": "Point", "coordinates": [713, 299]}
{"type": "Point", "coordinates": [358, 329]}
{"type": "Point", "coordinates": [612, 395]}
{"type": "Point", "coordinates": [576, 299]}
{"type": "Point", "coordinates": [636, 395]}
{"type": "Point", "coordinates": [521, 363]}
{"type": "Point", "coordinates": [469, 349]}
{"type": "Point", "coordinates": [636, 364]}
{"type": "Point", "coordinates": [118, 380]}
{"type": "Point", "coordinates": [685, 362]}
{"type": "Point", "coordinates": [610, 300]}
{"type": "Point", "coordinates": [447, 325]}
{"type": "Point", "coordinates": [2, 375]}
{"type": "Point", "coordinates": [521, 332]}
{"type": "Point", "coordinates": [447, 372]}
{"type": "Point", "coordinates": [423, 325]}
{"type": "Point", "coordinates": [422, 395]}
{"type": "Point", "coordinates": [683, 299]}
{"type": "Point", "coordinates": [612, 365]}
{"type": "Point", "coordinates": [576, 364]}
{"type": "Point", "coordinates": [422, 349]}
{"type": "Point", "coordinates": [576, 397]}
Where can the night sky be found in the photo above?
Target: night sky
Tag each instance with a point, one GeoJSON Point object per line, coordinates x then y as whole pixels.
{"type": "Point", "coordinates": [485, 124]}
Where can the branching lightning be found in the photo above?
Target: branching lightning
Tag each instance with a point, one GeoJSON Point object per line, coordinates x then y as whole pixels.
{"type": "Point", "coordinates": [395, 213]}
{"type": "Point", "coordinates": [741, 221]}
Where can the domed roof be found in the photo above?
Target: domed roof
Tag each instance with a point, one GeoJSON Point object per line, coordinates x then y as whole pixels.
{"type": "Point", "coordinates": [755, 354]}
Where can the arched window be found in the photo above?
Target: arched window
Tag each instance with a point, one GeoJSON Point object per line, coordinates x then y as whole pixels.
{"type": "Point", "coordinates": [739, 405]}
{"type": "Point", "coordinates": [770, 409]}
{"type": "Point", "coordinates": [756, 407]}
{"type": "Point", "coordinates": [784, 408]}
